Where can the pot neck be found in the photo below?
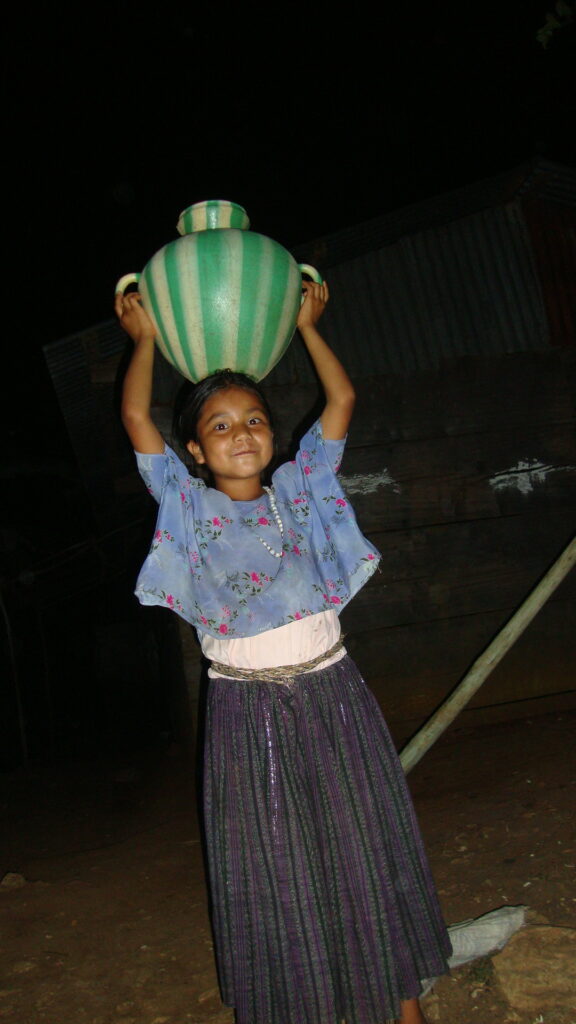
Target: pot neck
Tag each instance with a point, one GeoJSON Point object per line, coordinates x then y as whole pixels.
{"type": "Point", "coordinates": [212, 214]}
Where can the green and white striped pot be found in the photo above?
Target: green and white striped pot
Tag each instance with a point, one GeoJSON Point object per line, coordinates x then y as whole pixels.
{"type": "Point", "coordinates": [221, 296]}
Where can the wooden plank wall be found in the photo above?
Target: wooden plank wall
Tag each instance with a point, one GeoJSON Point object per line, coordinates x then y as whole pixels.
{"type": "Point", "coordinates": [465, 479]}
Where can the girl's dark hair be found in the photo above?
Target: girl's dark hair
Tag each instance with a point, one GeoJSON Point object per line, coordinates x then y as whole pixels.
{"type": "Point", "coordinates": [191, 397]}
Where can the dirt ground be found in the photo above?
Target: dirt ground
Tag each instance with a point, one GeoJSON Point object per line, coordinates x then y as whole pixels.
{"type": "Point", "coordinates": [110, 925]}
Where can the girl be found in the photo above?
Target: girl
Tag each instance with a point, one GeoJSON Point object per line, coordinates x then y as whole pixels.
{"type": "Point", "coordinates": [324, 909]}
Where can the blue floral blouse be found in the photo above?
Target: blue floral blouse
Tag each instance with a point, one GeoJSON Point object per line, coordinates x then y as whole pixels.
{"type": "Point", "coordinates": [208, 563]}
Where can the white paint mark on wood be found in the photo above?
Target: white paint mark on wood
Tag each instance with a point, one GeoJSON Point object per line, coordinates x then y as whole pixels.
{"type": "Point", "coordinates": [367, 483]}
{"type": "Point", "coordinates": [524, 476]}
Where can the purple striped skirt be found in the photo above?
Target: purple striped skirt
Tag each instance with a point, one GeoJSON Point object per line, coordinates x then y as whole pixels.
{"type": "Point", "coordinates": [324, 908]}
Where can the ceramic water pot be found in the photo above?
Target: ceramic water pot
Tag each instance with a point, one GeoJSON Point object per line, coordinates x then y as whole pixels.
{"type": "Point", "coordinates": [221, 296]}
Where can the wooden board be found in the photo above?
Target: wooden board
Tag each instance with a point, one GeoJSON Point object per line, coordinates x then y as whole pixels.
{"type": "Point", "coordinates": [466, 397]}
{"type": "Point", "coordinates": [412, 669]}
{"type": "Point", "coordinates": [459, 569]}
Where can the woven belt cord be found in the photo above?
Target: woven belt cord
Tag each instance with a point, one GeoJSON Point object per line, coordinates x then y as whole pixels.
{"type": "Point", "coordinates": [277, 673]}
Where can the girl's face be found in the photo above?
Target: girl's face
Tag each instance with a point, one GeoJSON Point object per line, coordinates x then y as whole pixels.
{"type": "Point", "coordinates": [235, 441]}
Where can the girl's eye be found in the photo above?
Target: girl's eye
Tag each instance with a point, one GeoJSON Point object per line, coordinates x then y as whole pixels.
{"type": "Point", "coordinates": [219, 426]}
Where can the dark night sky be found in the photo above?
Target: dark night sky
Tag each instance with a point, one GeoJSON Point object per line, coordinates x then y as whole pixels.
{"type": "Point", "coordinates": [311, 120]}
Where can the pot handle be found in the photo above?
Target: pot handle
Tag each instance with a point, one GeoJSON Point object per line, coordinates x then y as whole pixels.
{"type": "Point", "coordinates": [123, 283]}
{"type": "Point", "coordinates": [305, 268]}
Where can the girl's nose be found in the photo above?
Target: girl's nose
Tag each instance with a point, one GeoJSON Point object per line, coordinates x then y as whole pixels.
{"type": "Point", "coordinates": [241, 430]}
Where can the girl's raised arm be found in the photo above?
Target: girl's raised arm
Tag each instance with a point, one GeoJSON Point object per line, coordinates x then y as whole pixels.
{"type": "Point", "coordinates": [340, 395]}
{"type": "Point", "coordinates": [137, 389]}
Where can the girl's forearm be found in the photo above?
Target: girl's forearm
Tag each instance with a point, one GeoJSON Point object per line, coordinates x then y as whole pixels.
{"type": "Point", "coordinates": [137, 398]}
{"type": "Point", "coordinates": [338, 388]}
{"type": "Point", "coordinates": [137, 389]}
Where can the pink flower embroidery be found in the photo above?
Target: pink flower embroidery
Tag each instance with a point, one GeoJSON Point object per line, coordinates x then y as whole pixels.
{"type": "Point", "coordinates": [296, 549]}
{"type": "Point", "coordinates": [307, 470]}
{"type": "Point", "coordinates": [170, 600]}
{"type": "Point", "coordinates": [330, 584]}
{"type": "Point", "coordinates": [263, 521]}
{"type": "Point", "coordinates": [370, 557]}
{"type": "Point", "coordinates": [222, 628]}
{"type": "Point", "coordinates": [158, 535]}
{"type": "Point", "coordinates": [254, 577]}
{"type": "Point", "coordinates": [341, 502]}
{"type": "Point", "coordinates": [204, 620]}
{"type": "Point", "coordinates": [182, 496]}
{"type": "Point", "coordinates": [335, 600]}
{"type": "Point", "coordinates": [216, 521]}
{"type": "Point", "coordinates": [297, 616]}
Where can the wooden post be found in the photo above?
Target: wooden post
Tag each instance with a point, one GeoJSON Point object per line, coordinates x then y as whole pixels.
{"type": "Point", "coordinates": [482, 667]}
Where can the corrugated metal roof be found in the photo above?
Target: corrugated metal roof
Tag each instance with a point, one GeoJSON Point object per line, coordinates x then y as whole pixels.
{"type": "Point", "coordinates": [386, 228]}
{"type": "Point", "coordinates": [466, 287]}
{"type": "Point", "coordinates": [550, 181]}
{"type": "Point", "coordinates": [455, 275]}
{"type": "Point", "coordinates": [537, 177]}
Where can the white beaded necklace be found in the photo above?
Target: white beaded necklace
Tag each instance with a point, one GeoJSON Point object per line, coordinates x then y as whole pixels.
{"type": "Point", "coordinates": [276, 514]}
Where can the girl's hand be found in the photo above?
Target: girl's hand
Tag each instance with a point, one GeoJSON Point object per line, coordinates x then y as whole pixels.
{"type": "Point", "coordinates": [133, 317]}
{"type": "Point", "coordinates": [314, 304]}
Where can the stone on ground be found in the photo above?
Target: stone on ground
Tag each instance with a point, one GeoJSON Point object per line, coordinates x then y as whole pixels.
{"type": "Point", "coordinates": [538, 969]}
